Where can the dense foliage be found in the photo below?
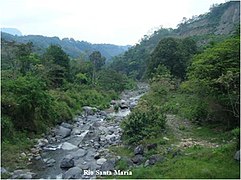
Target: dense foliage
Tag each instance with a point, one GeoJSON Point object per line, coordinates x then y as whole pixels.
{"type": "Point", "coordinates": [175, 54]}
{"type": "Point", "coordinates": [40, 91]}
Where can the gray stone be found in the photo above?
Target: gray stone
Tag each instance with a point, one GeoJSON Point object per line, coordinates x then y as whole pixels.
{"type": "Point", "coordinates": [89, 135]}
{"type": "Point", "coordinates": [138, 159]}
{"type": "Point", "coordinates": [76, 131]}
{"type": "Point", "coordinates": [101, 161]}
{"type": "Point", "coordinates": [109, 165]}
{"type": "Point", "coordinates": [23, 174]}
{"type": "Point", "coordinates": [103, 113]}
{"type": "Point", "coordinates": [139, 150]}
{"type": "Point", "coordinates": [237, 155]}
{"type": "Point", "coordinates": [50, 162]}
{"type": "Point", "coordinates": [83, 165]}
{"type": "Point", "coordinates": [42, 142]}
{"type": "Point", "coordinates": [63, 132]}
{"type": "Point", "coordinates": [79, 153]}
{"type": "Point", "coordinates": [67, 162]}
{"type": "Point", "coordinates": [67, 125]}
{"type": "Point", "coordinates": [73, 173]}
{"type": "Point", "coordinates": [123, 104]}
{"type": "Point", "coordinates": [68, 146]}
{"type": "Point", "coordinates": [89, 110]}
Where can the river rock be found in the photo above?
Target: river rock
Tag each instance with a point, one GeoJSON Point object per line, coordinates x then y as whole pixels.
{"type": "Point", "coordinates": [73, 173]}
{"type": "Point", "coordinates": [79, 153]}
{"type": "Point", "coordinates": [101, 161]}
{"type": "Point", "coordinates": [23, 174]}
{"type": "Point", "coordinates": [67, 162]}
{"type": "Point", "coordinates": [109, 165]}
{"type": "Point", "coordinates": [237, 156]}
{"type": "Point", "coordinates": [89, 110]}
{"type": "Point", "coordinates": [67, 125]}
{"type": "Point", "coordinates": [123, 104]}
{"type": "Point", "coordinates": [42, 142]}
{"type": "Point", "coordinates": [68, 146]}
{"type": "Point", "coordinates": [154, 159]}
{"type": "Point", "coordinates": [138, 159]}
{"type": "Point", "coordinates": [63, 132]}
{"type": "Point", "coordinates": [139, 150]}
{"type": "Point", "coordinates": [76, 131]}
{"type": "Point", "coordinates": [50, 162]}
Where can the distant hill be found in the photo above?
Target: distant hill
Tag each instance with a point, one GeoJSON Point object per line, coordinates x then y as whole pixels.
{"type": "Point", "coordinates": [73, 48]}
{"type": "Point", "coordinates": [12, 31]}
{"type": "Point", "coordinates": [221, 21]}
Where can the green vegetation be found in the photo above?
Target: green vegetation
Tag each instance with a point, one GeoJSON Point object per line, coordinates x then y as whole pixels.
{"type": "Point", "coordinates": [39, 92]}
{"type": "Point", "coordinates": [204, 92]}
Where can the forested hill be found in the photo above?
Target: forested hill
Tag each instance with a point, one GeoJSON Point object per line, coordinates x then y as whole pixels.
{"type": "Point", "coordinates": [221, 21]}
{"type": "Point", "coordinates": [73, 48]}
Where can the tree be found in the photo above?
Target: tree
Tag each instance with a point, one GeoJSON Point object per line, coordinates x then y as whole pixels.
{"type": "Point", "coordinates": [173, 53]}
{"type": "Point", "coordinates": [27, 102]}
{"type": "Point", "coordinates": [216, 73]}
{"type": "Point", "coordinates": [98, 61]}
{"type": "Point", "coordinates": [58, 63]}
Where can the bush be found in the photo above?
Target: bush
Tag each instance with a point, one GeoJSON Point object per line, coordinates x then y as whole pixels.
{"type": "Point", "coordinates": [27, 102]}
{"type": "Point", "coordinates": [143, 122]}
{"type": "Point", "coordinates": [187, 106]}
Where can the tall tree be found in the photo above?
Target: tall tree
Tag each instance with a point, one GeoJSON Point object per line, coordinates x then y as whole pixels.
{"type": "Point", "coordinates": [58, 60]}
{"type": "Point", "coordinates": [98, 61]}
{"type": "Point", "coordinates": [173, 53]}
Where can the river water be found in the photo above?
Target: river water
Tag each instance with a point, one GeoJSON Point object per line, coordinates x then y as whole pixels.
{"type": "Point", "coordinates": [85, 143]}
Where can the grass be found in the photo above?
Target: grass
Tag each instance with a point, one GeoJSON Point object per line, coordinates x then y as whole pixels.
{"type": "Point", "coordinates": [193, 162]}
{"type": "Point", "coordinates": [11, 151]}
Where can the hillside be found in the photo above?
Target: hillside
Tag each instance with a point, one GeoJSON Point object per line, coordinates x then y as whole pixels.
{"type": "Point", "coordinates": [73, 48]}
{"type": "Point", "coordinates": [221, 21]}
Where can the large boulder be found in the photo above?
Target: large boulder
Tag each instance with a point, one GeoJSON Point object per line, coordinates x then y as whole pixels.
{"type": "Point", "coordinates": [73, 173]}
{"type": "Point", "coordinates": [68, 146]}
{"type": "Point", "coordinates": [67, 162]}
{"type": "Point", "coordinates": [63, 132]}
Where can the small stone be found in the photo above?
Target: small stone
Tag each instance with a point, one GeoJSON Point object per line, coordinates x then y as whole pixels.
{"type": "Point", "coordinates": [97, 156]}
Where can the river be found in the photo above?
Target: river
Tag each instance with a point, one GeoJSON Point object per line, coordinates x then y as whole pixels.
{"type": "Point", "coordinates": [72, 150]}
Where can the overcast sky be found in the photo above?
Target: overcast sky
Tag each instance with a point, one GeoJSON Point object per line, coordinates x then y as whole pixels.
{"type": "Point", "coordinates": [118, 22]}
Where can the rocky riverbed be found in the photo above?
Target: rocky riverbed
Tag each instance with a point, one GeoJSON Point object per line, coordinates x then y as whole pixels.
{"type": "Point", "coordinates": [76, 150]}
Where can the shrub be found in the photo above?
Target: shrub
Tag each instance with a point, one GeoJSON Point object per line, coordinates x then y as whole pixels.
{"type": "Point", "coordinates": [143, 122]}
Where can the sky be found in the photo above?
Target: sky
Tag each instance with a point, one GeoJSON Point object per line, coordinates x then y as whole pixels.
{"type": "Point", "coordinates": [120, 22]}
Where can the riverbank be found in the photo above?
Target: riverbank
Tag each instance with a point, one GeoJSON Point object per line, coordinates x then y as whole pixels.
{"type": "Point", "coordinates": [69, 149]}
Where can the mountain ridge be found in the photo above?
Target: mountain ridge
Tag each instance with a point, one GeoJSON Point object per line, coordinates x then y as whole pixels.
{"type": "Point", "coordinates": [74, 48]}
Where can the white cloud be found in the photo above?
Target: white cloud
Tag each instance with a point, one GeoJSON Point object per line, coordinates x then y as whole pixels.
{"type": "Point", "coordinates": [98, 21]}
